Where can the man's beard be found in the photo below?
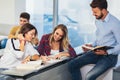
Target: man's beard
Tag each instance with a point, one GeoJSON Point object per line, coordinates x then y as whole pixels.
{"type": "Point", "coordinates": [100, 17]}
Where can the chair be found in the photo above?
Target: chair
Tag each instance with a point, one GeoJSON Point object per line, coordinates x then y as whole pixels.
{"type": "Point", "coordinates": [3, 43]}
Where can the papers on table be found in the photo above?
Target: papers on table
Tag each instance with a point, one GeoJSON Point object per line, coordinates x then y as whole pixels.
{"type": "Point", "coordinates": [32, 65]}
{"type": "Point", "coordinates": [53, 61]}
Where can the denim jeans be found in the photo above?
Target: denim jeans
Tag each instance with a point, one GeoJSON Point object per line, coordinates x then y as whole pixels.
{"type": "Point", "coordinates": [102, 64]}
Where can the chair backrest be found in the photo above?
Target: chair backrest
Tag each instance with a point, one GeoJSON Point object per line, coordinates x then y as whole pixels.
{"type": "Point", "coordinates": [3, 43]}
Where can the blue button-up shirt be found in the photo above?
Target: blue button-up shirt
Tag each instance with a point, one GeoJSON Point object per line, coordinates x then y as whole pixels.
{"type": "Point", "coordinates": [108, 33]}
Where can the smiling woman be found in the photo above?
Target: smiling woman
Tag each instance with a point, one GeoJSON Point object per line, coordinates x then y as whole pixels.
{"type": "Point", "coordinates": [56, 43]}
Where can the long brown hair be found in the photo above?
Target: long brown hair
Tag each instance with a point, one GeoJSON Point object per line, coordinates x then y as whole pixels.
{"type": "Point", "coordinates": [26, 28]}
{"type": "Point", "coordinates": [64, 40]}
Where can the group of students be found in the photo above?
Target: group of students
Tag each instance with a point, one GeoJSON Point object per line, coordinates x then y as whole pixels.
{"type": "Point", "coordinates": [20, 49]}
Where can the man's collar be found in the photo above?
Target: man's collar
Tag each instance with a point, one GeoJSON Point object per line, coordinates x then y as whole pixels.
{"type": "Point", "coordinates": [107, 18]}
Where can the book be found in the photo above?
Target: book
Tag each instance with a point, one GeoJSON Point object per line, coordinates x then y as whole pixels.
{"type": "Point", "coordinates": [32, 65]}
{"type": "Point", "coordinates": [53, 61]}
{"type": "Point", "coordinates": [97, 47]}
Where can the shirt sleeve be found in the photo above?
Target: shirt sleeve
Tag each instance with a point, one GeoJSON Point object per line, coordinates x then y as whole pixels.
{"type": "Point", "coordinates": [72, 51]}
{"type": "Point", "coordinates": [116, 33]}
{"type": "Point", "coordinates": [9, 48]}
{"type": "Point", "coordinates": [41, 45]}
{"type": "Point", "coordinates": [13, 32]}
{"type": "Point", "coordinates": [30, 50]}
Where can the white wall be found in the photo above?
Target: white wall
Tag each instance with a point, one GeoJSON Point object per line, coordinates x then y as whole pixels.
{"type": "Point", "coordinates": [9, 13]}
{"type": "Point", "coordinates": [113, 7]}
{"type": "Point", "coordinates": [10, 10]}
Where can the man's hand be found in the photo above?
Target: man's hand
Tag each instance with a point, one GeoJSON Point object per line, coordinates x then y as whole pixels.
{"type": "Point", "coordinates": [85, 49]}
{"type": "Point", "coordinates": [101, 52]}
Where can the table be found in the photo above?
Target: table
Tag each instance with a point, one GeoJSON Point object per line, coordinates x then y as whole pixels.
{"type": "Point", "coordinates": [53, 71]}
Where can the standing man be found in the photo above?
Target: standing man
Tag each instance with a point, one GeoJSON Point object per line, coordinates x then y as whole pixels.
{"type": "Point", "coordinates": [107, 34]}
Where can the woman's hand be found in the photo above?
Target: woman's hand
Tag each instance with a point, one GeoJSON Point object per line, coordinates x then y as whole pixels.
{"type": "Point", "coordinates": [20, 37]}
{"type": "Point", "coordinates": [45, 58]}
{"type": "Point", "coordinates": [35, 57]}
{"type": "Point", "coordinates": [58, 56]}
{"type": "Point", "coordinates": [27, 59]}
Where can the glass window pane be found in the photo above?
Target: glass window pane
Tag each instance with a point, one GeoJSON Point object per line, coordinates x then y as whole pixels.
{"type": "Point", "coordinates": [41, 15]}
{"type": "Point", "coordinates": [77, 16]}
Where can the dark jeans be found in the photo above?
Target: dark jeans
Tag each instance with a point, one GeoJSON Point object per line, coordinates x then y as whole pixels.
{"type": "Point", "coordinates": [102, 64]}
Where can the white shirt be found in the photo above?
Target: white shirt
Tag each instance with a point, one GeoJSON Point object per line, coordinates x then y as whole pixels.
{"type": "Point", "coordinates": [54, 52]}
{"type": "Point", "coordinates": [11, 58]}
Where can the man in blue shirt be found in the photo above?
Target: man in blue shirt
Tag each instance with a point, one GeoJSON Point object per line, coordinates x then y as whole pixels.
{"type": "Point", "coordinates": [107, 34]}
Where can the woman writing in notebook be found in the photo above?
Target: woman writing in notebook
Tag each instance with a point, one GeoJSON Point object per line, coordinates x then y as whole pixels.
{"type": "Point", "coordinates": [56, 43]}
{"type": "Point", "coordinates": [18, 50]}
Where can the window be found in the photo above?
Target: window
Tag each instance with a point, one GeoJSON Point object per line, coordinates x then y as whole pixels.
{"type": "Point", "coordinates": [41, 15]}
{"type": "Point", "coordinates": [76, 15]}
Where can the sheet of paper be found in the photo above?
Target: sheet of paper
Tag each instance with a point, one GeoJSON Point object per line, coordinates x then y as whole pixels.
{"type": "Point", "coordinates": [32, 65]}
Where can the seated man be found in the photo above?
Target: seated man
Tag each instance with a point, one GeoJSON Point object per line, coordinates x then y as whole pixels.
{"type": "Point", "coordinates": [107, 34]}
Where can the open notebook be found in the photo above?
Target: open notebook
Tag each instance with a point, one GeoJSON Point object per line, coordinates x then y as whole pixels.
{"type": "Point", "coordinates": [32, 65]}
{"type": "Point", "coordinates": [98, 47]}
